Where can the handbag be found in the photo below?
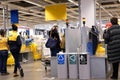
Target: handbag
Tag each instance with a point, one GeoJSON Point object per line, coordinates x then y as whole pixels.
{"type": "Point", "coordinates": [51, 43]}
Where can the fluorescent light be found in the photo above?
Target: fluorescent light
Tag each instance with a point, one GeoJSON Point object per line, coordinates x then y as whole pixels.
{"type": "Point", "coordinates": [73, 2]}
{"type": "Point", "coordinates": [104, 9]}
{"type": "Point", "coordinates": [31, 2]}
{"type": "Point", "coordinates": [30, 13]}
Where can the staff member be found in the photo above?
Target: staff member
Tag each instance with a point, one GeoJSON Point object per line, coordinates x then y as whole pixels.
{"type": "Point", "coordinates": [15, 43]}
{"type": "Point", "coordinates": [3, 53]}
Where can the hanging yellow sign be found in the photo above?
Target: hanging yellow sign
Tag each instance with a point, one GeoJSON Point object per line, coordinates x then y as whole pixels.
{"type": "Point", "coordinates": [55, 12]}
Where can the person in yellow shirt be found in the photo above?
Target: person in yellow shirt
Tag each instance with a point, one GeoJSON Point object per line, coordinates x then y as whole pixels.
{"type": "Point", "coordinates": [3, 53]}
{"type": "Point", "coordinates": [15, 43]}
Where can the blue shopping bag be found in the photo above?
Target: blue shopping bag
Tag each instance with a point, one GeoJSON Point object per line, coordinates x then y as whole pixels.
{"type": "Point", "coordinates": [90, 48]}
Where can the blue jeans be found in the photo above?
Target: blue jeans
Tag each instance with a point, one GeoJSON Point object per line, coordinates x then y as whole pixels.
{"type": "Point", "coordinates": [3, 61]}
{"type": "Point", "coordinates": [17, 65]}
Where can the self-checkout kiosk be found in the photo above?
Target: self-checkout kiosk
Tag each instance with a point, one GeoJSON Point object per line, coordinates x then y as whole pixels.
{"type": "Point", "coordinates": [73, 41]}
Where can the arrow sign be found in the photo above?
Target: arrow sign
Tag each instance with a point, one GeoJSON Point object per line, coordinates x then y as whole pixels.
{"type": "Point", "coordinates": [72, 59]}
{"type": "Point", "coordinates": [61, 59]}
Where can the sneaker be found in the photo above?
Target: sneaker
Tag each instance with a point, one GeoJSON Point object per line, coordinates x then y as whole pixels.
{"type": "Point", "coordinates": [15, 75]}
{"type": "Point", "coordinates": [21, 73]}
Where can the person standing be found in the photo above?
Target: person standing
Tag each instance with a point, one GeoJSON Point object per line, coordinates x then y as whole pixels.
{"type": "Point", "coordinates": [55, 35]}
{"type": "Point", "coordinates": [15, 43]}
{"type": "Point", "coordinates": [94, 37]}
{"type": "Point", "coordinates": [112, 39]}
{"type": "Point", "coordinates": [3, 53]}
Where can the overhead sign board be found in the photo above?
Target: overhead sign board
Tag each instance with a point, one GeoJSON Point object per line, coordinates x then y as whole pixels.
{"type": "Point", "coordinates": [55, 12]}
{"type": "Point", "coordinates": [14, 16]}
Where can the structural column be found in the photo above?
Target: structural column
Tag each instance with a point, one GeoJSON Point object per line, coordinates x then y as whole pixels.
{"type": "Point", "coordinates": [5, 16]}
{"type": "Point", "coordinates": [87, 11]}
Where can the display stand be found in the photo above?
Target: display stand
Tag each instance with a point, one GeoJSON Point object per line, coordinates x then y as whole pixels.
{"type": "Point", "coordinates": [73, 65]}
{"type": "Point", "coordinates": [54, 66]}
{"type": "Point", "coordinates": [62, 66]}
{"type": "Point", "coordinates": [84, 66]}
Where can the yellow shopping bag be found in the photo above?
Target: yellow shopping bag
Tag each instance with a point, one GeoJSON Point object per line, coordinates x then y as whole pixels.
{"type": "Point", "coordinates": [10, 60]}
{"type": "Point", "coordinates": [100, 50]}
{"type": "Point", "coordinates": [36, 54]}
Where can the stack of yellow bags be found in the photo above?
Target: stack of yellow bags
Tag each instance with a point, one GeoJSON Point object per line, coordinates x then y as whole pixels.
{"type": "Point", "coordinates": [100, 50]}
{"type": "Point", "coordinates": [36, 55]}
{"type": "Point", "coordinates": [23, 48]}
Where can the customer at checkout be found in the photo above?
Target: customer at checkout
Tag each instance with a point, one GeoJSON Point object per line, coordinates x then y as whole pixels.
{"type": "Point", "coordinates": [112, 39]}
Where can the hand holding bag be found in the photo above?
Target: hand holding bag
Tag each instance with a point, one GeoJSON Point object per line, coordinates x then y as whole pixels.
{"type": "Point", "coordinates": [51, 43]}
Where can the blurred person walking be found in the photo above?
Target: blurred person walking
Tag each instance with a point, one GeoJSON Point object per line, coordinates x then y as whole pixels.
{"type": "Point", "coordinates": [112, 39]}
{"type": "Point", "coordinates": [15, 43]}
{"type": "Point", "coordinates": [3, 53]}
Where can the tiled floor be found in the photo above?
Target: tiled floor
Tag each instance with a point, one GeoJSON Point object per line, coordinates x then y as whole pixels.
{"type": "Point", "coordinates": [33, 71]}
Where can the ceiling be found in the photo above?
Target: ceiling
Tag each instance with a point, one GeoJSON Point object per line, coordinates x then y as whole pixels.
{"type": "Point", "coordinates": [32, 12]}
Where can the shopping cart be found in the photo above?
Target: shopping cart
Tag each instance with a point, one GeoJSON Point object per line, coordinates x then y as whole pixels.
{"type": "Point", "coordinates": [46, 57]}
{"type": "Point", "coordinates": [46, 62]}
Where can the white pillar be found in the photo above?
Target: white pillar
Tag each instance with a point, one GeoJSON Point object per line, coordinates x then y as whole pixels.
{"type": "Point", "coordinates": [87, 8]}
{"type": "Point", "coordinates": [5, 16]}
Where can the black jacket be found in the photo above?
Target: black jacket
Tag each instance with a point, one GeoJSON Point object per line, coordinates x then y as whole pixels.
{"type": "Point", "coordinates": [113, 41]}
{"type": "Point", "coordinates": [14, 41]}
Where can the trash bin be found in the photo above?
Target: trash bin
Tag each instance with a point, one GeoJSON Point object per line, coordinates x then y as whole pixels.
{"type": "Point", "coordinates": [62, 66]}
{"type": "Point", "coordinates": [53, 65]}
{"type": "Point", "coordinates": [84, 65]}
{"type": "Point", "coordinates": [73, 65]}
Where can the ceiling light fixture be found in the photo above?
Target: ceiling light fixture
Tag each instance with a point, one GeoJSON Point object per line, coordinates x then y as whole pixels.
{"type": "Point", "coordinates": [30, 13]}
{"type": "Point", "coordinates": [104, 9]}
{"type": "Point", "coordinates": [31, 2]}
{"type": "Point", "coordinates": [73, 2]}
